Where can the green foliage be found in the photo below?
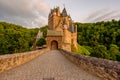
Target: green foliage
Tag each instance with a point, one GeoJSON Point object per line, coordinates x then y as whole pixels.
{"type": "Point", "coordinates": [41, 42]}
{"type": "Point", "coordinates": [105, 35]}
{"type": "Point", "coordinates": [82, 50]}
{"type": "Point", "coordinates": [114, 51]}
{"type": "Point", "coordinates": [79, 51]}
{"type": "Point", "coordinates": [15, 38]}
{"type": "Point", "coordinates": [90, 49]}
{"type": "Point", "coordinates": [100, 51]}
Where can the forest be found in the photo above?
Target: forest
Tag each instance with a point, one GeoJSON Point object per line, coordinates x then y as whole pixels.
{"type": "Point", "coordinates": [100, 39]}
{"type": "Point", "coordinates": [15, 38]}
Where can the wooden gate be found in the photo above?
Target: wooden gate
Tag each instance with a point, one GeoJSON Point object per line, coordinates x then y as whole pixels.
{"type": "Point", "coordinates": [54, 45]}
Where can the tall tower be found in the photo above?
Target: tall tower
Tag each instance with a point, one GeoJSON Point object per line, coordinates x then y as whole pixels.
{"type": "Point", "coordinates": [61, 30]}
{"type": "Point", "coordinates": [53, 18]}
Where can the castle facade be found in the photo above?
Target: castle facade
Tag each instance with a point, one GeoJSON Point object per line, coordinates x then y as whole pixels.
{"type": "Point", "coordinates": [61, 31]}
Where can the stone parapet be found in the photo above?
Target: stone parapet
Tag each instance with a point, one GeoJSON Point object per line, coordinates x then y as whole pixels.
{"type": "Point", "coordinates": [10, 61]}
{"type": "Point", "coordinates": [105, 69]}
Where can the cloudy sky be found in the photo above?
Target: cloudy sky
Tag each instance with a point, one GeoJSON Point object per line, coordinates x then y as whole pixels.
{"type": "Point", "coordinates": [34, 13]}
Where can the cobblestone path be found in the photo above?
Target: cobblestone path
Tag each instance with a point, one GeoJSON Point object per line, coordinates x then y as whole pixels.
{"type": "Point", "coordinates": [50, 65]}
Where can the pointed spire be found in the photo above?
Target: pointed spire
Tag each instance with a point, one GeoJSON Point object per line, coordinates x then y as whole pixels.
{"type": "Point", "coordinates": [64, 12]}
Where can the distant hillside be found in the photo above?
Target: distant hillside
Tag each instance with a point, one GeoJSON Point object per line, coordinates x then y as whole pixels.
{"type": "Point", "coordinates": [101, 39]}
{"type": "Point", "coordinates": [15, 38]}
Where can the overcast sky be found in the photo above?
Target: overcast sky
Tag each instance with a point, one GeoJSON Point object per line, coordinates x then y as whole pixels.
{"type": "Point", "coordinates": [34, 13]}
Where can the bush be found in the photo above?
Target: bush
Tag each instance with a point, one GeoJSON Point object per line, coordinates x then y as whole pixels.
{"type": "Point", "coordinates": [100, 51]}
{"type": "Point", "coordinates": [82, 50]}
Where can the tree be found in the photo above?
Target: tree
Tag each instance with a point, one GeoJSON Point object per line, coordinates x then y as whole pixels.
{"type": "Point", "coordinates": [41, 42]}
{"type": "Point", "coordinates": [15, 38]}
{"type": "Point", "coordinates": [98, 36]}
{"type": "Point", "coordinates": [114, 51]}
{"type": "Point", "coordinates": [100, 51]}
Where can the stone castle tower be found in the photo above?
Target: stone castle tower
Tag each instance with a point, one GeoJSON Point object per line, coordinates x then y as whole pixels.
{"type": "Point", "coordinates": [61, 31]}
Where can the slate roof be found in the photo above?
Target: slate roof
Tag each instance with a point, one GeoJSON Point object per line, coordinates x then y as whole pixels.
{"type": "Point", "coordinates": [64, 12]}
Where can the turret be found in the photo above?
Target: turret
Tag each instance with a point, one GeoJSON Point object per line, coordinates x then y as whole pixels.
{"type": "Point", "coordinates": [58, 11]}
{"type": "Point", "coordinates": [53, 18]}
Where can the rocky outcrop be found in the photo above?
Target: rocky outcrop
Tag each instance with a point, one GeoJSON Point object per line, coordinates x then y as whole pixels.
{"type": "Point", "coordinates": [105, 69]}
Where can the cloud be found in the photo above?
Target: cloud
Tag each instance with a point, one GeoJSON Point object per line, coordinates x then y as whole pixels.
{"type": "Point", "coordinates": [29, 13]}
{"type": "Point", "coordinates": [106, 16]}
{"type": "Point", "coordinates": [95, 14]}
{"type": "Point", "coordinates": [103, 15]}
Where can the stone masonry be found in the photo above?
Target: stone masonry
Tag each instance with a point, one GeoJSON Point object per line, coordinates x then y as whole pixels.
{"type": "Point", "coordinates": [61, 29]}
{"type": "Point", "coordinates": [12, 60]}
{"type": "Point", "coordinates": [105, 69]}
{"type": "Point", "coordinates": [49, 66]}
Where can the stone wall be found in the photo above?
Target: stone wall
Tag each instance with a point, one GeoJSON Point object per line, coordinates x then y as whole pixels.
{"type": "Point", "coordinates": [52, 38]}
{"type": "Point", "coordinates": [105, 69]}
{"type": "Point", "coordinates": [12, 60]}
{"type": "Point", "coordinates": [66, 40]}
{"type": "Point", "coordinates": [74, 42]}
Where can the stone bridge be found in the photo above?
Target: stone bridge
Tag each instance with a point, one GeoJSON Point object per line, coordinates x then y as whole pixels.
{"type": "Point", "coordinates": [56, 65]}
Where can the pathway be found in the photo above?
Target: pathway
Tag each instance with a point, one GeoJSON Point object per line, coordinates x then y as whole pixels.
{"type": "Point", "coordinates": [46, 67]}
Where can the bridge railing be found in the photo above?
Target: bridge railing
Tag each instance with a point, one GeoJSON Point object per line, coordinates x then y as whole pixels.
{"type": "Point", "coordinates": [106, 69]}
{"type": "Point", "coordinates": [12, 60]}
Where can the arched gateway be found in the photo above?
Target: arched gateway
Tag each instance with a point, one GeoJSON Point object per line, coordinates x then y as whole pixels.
{"type": "Point", "coordinates": [54, 45]}
{"type": "Point", "coordinates": [54, 39]}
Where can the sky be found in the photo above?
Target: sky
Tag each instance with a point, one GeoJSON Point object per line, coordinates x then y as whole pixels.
{"type": "Point", "coordinates": [34, 13]}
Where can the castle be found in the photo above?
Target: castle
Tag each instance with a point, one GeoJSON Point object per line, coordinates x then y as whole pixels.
{"type": "Point", "coordinates": [61, 31]}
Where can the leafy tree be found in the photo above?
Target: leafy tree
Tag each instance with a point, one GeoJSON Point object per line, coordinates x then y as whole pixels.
{"type": "Point", "coordinates": [100, 51]}
{"type": "Point", "coordinates": [15, 38]}
{"type": "Point", "coordinates": [41, 42]}
{"type": "Point", "coordinates": [114, 51]}
{"type": "Point", "coordinates": [98, 36]}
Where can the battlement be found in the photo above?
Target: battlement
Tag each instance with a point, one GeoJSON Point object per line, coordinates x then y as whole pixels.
{"type": "Point", "coordinates": [56, 12]}
{"type": "Point", "coordinates": [60, 20]}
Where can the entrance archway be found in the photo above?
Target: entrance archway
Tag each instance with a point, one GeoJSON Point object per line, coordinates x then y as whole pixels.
{"type": "Point", "coordinates": [54, 45]}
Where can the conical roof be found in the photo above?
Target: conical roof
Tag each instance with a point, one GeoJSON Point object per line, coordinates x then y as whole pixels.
{"type": "Point", "coordinates": [64, 12]}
